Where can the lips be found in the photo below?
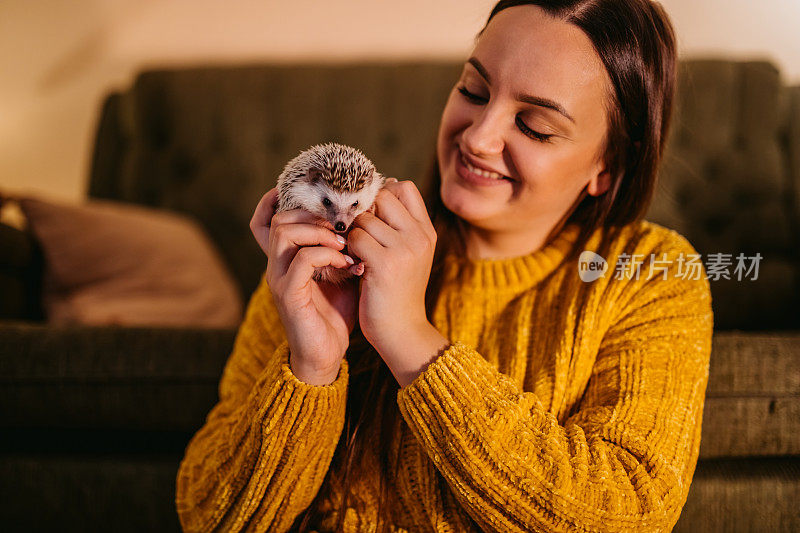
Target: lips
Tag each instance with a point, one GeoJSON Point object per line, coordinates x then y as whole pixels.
{"type": "Point", "coordinates": [479, 169]}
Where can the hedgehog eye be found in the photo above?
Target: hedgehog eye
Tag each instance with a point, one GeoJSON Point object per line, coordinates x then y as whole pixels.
{"type": "Point", "coordinates": [355, 203]}
{"type": "Point", "coordinates": [326, 202]}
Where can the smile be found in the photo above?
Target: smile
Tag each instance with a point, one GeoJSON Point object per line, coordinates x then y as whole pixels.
{"type": "Point", "coordinates": [483, 173]}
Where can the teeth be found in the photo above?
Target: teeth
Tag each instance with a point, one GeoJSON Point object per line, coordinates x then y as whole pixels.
{"type": "Point", "coordinates": [481, 172]}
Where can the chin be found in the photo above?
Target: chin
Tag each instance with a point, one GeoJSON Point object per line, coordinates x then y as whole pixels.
{"type": "Point", "coordinates": [465, 204]}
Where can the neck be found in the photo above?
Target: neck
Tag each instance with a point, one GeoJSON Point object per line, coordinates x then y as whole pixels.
{"type": "Point", "coordinates": [490, 244]}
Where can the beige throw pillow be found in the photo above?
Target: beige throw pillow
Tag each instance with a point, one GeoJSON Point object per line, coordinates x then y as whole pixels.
{"type": "Point", "coordinates": [117, 263]}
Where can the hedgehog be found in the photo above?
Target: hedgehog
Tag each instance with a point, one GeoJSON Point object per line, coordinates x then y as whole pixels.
{"type": "Point", "coordinates": [337, 183]}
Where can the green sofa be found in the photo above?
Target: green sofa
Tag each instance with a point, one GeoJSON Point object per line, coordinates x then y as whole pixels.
{"type": "Point", "coordinates": [94, 420]}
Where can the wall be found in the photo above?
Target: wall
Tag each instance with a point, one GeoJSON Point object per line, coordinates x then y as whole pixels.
{"type": "Point", "coordinates": [59, 58]}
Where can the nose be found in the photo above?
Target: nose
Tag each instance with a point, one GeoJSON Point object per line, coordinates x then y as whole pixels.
{"type": "Point", "coordinates": [340, 226]}
{"type": "Point", "coordinates": [484, 135]}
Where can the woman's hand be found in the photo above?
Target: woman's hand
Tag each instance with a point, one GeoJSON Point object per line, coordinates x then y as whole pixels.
{"type": "Point", "coordinates": [396, 244]}
{"type": "Point", "coordinates": [317, 317]}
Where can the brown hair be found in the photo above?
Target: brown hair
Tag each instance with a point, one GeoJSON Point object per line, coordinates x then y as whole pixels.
{"type": "Point", "coordinates": [636, 42]}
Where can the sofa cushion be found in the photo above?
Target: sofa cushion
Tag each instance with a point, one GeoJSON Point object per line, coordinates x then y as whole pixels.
{"type": "Point", "coordinates": [109, 262]}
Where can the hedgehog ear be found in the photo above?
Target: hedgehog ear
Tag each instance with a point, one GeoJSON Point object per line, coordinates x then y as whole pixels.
{"type": "Point", "coordinates": [314, 175]}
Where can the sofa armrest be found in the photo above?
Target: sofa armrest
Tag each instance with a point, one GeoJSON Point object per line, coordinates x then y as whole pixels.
{"type": "Point", "coordinates": [109, 377]}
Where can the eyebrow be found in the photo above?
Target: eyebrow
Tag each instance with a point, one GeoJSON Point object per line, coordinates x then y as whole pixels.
{"type": "Point", "coordinates": [525, 98]}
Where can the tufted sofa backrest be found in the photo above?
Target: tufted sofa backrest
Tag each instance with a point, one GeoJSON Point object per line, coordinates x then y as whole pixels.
{"type": "Point", "coordinates": [210, 141]}
{"type": "Point", "coordinates": [729, 183]}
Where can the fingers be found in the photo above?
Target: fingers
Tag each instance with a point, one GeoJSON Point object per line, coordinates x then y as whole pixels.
{"type": "Point", "coordinates": [281, 235]}
{"type": "Point", "coordinates": [293, 216]}
{"type": "Point", "coordinates": [265, 208]}
{"type": "Point", "coordinates": [265, 217]}
{"type": "Point", "coordinates": [394, 209]}
{"type": "Point", "coordinates": [408, 194]}
{"type": "Point", "coordinates": [259, 223]}
{"type": "Point", "coordinates": [389, 209]}
{"type": "Point", "coordinates": [288, 238]}
{"type": "Point", "coordinates": [361, 242]}
{"type": "Point", "coordinates": [386, 214]}
{"type": "Point", "coordinates": [310, 258]}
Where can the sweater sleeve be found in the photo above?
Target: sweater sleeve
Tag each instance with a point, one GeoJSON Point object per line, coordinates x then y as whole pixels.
{"type": "Point", "coordinates": [624, 458]}
{"type": "Point", "coordinates": [265, 447]}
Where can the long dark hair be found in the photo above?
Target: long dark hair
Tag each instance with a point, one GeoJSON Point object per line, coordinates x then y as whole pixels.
{"type": "Point", "coordinates": [636, 42]}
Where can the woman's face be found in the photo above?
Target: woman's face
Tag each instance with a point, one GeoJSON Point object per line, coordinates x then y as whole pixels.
{"type": "Point", "coordinates": [547, 146]}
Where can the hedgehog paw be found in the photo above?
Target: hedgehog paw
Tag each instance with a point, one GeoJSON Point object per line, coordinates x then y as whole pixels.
{"type": "Point", "coordinates": [357, 269]}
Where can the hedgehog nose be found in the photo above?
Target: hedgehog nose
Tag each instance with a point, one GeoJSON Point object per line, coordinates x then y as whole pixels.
{"type": "Point", "coordinates": [340, 226]}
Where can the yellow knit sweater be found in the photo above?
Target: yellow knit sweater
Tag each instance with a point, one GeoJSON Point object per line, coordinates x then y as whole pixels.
{"type": "Point", "coordinates": [561, 405]}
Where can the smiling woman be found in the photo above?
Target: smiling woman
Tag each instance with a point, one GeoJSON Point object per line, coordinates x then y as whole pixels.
{"type": "Point", "coordinates": [487, 387]}
{"type": "Point", "coordinates": [543, 103]}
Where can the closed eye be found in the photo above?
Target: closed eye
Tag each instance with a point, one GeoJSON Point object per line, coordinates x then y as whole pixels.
{"type": "Point", "coordinates": [475, 99]}
{"type": "Point", "coordinates": [471, 97]}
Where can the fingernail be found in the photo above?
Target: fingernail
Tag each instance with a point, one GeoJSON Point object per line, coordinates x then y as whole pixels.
{"type": "Point", "coordinates": [349, 259]}
{"type": "Point", "coordinates": [341, 239]}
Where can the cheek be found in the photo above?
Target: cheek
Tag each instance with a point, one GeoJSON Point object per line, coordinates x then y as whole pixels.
{"type": "Point", "coordinates": [540, 166]}
{"type": "Point", "coordinates": [551, 171]}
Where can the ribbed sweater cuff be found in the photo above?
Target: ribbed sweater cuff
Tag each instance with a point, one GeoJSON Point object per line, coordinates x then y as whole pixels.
{"type": "Point", "coordinates": [449, 391]}
{"type": "Point", "coordinates": [332, 392]}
